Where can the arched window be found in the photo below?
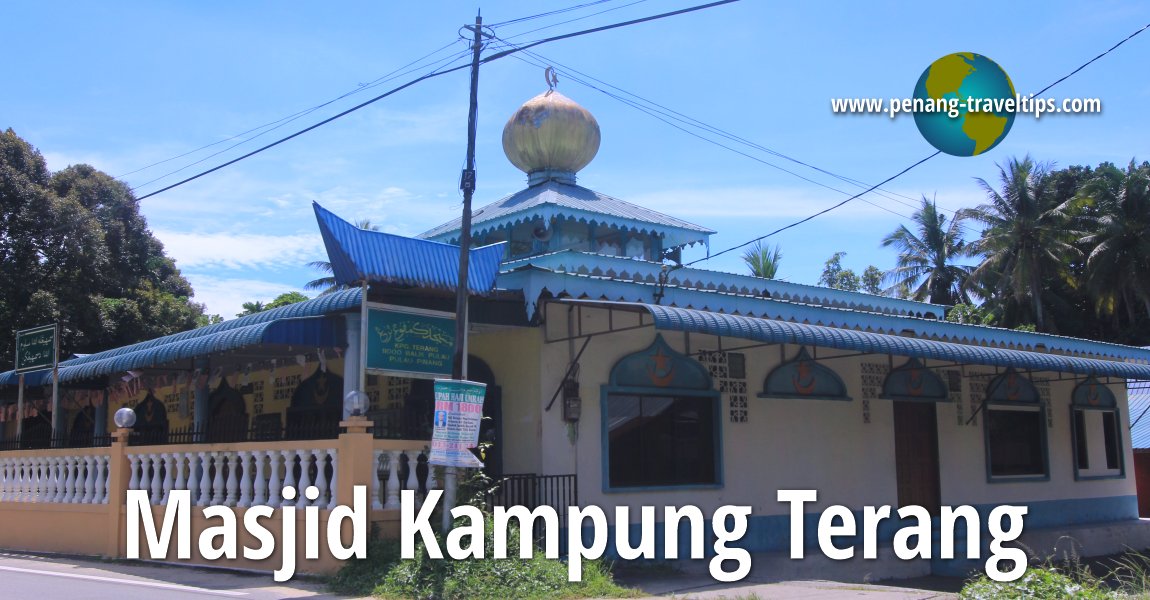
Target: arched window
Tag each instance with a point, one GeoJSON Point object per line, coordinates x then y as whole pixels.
{"type": "Point", "coordinates": [660, 422]}
{"type": "Point", "coordinates": [1094, 430]}
{"type": "Point", "coordinates": [1015, 427]}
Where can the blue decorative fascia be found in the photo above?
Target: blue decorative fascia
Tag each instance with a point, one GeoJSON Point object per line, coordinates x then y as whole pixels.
{"type": "Point", "coordinates": [804, 379]}
{"type": "Point", "coordinates": [630, 269]}
{"type": "Point", "coordinates": [673, 237]}
{"type": "Point", "coordinates": [912, 381]}
{"type": "Point", "coordinates": [534, 281]}
{"type": "Point", "coordinates": [1093, 394]}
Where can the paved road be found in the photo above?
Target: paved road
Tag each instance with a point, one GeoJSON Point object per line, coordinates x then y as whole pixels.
{"type": "Point", "coordinates": [48, 578]}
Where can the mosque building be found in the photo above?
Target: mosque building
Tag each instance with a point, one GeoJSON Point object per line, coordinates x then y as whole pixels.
{"type": "Point", "coordinates": [617, 376]}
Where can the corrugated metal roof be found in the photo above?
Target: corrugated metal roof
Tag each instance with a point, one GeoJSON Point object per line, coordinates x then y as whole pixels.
{"type": "Point", "coordinates": [309, 331]}
{"type": "Point", "coordinates": [535, 282]}
{"type": "Point", "coordinates": [325, 304]}
{"type": "Point", "coordinates": [784, 332]}
{"type": "Point", "coordinates": [633, 269]}
{"type": "Point", "coordinates": [1138, 395]}
{"type": "Point", "coordinates": [556, 199]}
{"type": "Point", "coordinates": [358, 254]}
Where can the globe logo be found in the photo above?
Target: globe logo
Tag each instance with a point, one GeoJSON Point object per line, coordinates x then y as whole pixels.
{"type": "Point", "coordinates": [968, 94]}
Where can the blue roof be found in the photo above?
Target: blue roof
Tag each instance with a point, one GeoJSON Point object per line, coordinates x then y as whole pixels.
{"type": "Point", "coordinates": [569, 201]}
{"type": "Point", "coordinates": [669, 318]}
{"type": "Point", "coordinates": [1138, 395]}
{"type": "Point", "coordinates": [227, 335]}
{"type": "Point", "coordinates": [359, 254]}
{"type": "Point", "coordinates": [534, 282]}
{"type": "Point", "coordinates": [632, 269]}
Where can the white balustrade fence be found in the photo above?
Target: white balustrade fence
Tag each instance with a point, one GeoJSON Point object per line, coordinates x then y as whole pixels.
{"type": "Point", "coordinates": [397, 470]}
{"type": "Point", "coordinates": [237, 478]}
{"type": "Point", "coordinates": [81, 479]}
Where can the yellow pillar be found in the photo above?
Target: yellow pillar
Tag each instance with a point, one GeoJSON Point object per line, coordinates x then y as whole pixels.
{"type": "Point", "coordinates": [118, 478]}
{"type": "Point", "coordinates": [355, 459]}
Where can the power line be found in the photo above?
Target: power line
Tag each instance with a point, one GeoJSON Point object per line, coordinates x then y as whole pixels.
{"type": "Point", "coordinates": [294, 116]}
{"type": "Point", "coordinates": [431, 75]}
{"type": "Point", "coordinates": [900, 173]}
{"type": "Point", "coordinates": [594, 14]}
{"type": "Point", "coordinates": [711, 141]}
{"type": "Point", "coordinates": [548, 14]}
{"type": "Point", "coordinates": [303, 131]}
{"type": "Point", "coordinates": [606, 27]}
{"type": "Point", "coordinates": [663, 114]}
{"type": "Point", "coordinates": [821, 212]}
{"type": "Point", "coordinates": [288, 120]}
{"type": "Point", "coordinates": [1087, 63]}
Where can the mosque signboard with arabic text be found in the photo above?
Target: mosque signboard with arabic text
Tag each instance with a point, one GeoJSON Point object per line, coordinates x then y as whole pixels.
{"type": "Point", "coordinates": [36, 348]}
{"type": "Point", "coordinates": [409, 342]}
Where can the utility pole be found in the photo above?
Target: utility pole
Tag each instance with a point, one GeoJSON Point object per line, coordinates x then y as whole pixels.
{"type": "Point", "coordinates": [467, 184]}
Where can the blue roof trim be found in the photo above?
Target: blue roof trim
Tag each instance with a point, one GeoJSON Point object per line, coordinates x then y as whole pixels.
{"type": "Point", "coordinates": [533, 281]}
{"type": "Point", "coordinates": [1138, 397]}
{"type": "Point", "coordinates": [325, 304]}
{"type": "Point", "coordinates": [630, 269]}
{"type": "Point", "coordinates": [309, 331]}
{"type": "Point", "coordinates": [358, 254]}
{"type": "Point", "coordinates": [669, 318]}
{"type": "Point", "coordinates": [557, 199]}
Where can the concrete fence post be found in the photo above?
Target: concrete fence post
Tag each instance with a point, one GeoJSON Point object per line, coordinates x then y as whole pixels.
{"type": "Point", "coordinates": [118, 474]}
{"type": "Point", "coordinates": [354, 459]}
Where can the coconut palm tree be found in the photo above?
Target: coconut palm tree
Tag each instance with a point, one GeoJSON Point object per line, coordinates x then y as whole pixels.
{"type": "Point", "coordinates": [328, 284]}
{"type": "Point", "coordinates": [763, 260]}
{"type": "Point", "coordinates": [926, 257]}
{"type": "Point", "coordinates": [1028, 239]}
{"type": "Point", "coordinates": [1118, 263]}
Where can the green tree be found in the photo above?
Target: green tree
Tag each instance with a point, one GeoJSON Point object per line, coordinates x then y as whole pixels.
{"type": "Point", "coordinates": [285, 299]}
{"type": "Point", "coordinates": [74, 249]}
{"type": "Point", "coordinates": [926, 256]}
{"type": "Point", "coordinates": [1118, 263]}
{"type": "Point", "coordinates": [968, 314]}
{"type": "Point", "coordinates": [872, 280]}
{"type": "Point", "coordinates": [835, 276]}
{"type": "Point", "coordinates": [1027, 241]}
{"type": "Point", "coordinates": [251, 308]}
{"type": "Point", "coordinates": [328, 284]}
{"type": "Point", "coordinates": [763, 261]}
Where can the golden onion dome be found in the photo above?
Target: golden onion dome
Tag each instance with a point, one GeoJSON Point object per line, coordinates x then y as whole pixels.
{"type": "Point", "coordinates": [551, 137]}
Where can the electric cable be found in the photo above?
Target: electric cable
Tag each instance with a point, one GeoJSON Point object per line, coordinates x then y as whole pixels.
{"type": "Point", "coordinates": [594, 14]}
{"type": "Point", "coordinates": [359, 89]}
{"type": "Point", "coordinates": [549, 13]}
{"type": "Point", "coordinates": [284, 122]}
{"type": "Point", "coordinates": [665, 113]}
{"type": "Point", "coordinates": [900, 173]}
{"type": "Point", "coordinates": [716, 143]}
{"type": "Point", "coordinates": [434, 74]}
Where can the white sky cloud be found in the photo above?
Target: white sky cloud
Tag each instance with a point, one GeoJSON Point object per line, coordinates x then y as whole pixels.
{"type": "Point", "coordinates": [225, 296]}
{"type": "Point", "coordinates": [240, 250]}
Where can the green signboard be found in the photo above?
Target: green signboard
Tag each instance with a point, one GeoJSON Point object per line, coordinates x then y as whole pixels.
{"type": "Point", "coordinates": [36, 348]}
{"type": "Point", "coordinates": [415, 344]}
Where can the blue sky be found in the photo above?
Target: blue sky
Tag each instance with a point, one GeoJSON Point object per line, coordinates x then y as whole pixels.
{"type": "Point", "coordinates": [126, 84]}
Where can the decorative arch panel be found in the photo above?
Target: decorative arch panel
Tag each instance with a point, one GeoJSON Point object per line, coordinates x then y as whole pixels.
{"type": "Point", "coordinates": [804, 378]}
{"type": "Point", "coordinates": [914, 382]}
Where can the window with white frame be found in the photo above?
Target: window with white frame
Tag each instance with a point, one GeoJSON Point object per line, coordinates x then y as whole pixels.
{"type": "Point", "coordinates": [1095, 431]}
